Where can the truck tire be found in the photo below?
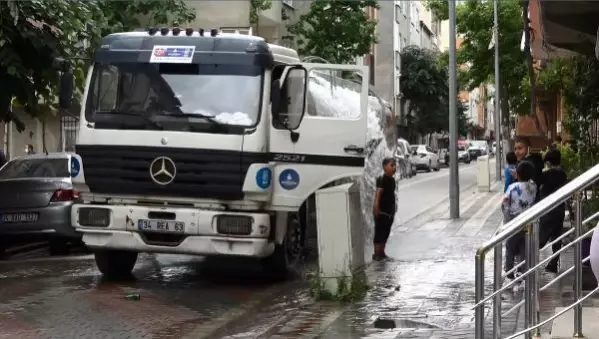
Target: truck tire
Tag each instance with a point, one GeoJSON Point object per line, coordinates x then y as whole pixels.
{"type": "Point", "coordinates": [286, 259]}
{"type": "Point", "coordinates": [115, 264]}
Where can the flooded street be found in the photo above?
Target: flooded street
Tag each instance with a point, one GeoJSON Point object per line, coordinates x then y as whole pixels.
{"type": "Point", "coordinates": [427, 291]}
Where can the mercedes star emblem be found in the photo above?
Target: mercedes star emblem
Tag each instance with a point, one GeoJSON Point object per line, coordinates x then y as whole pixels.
{"type": "Point", "coordinates": [163, 170]}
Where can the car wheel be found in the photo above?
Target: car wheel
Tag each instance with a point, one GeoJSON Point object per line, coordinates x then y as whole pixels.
{"type": "Point", "coordinates": [115, 264]}
{"type": "Point", "coordinates": [438, 167]}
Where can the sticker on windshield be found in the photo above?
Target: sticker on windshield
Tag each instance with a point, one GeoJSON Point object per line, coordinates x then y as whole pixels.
{"type": "Point", "coordinates": [172, 54]}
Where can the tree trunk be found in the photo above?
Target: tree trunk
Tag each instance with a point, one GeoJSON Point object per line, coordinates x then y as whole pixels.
{"type": "Point", "coordinates": [531, 71]}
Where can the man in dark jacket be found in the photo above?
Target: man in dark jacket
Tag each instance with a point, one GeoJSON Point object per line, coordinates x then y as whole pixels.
{"type": "Point", "coordinates": [522, 150]}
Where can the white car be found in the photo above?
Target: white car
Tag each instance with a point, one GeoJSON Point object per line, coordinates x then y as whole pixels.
{"type": "Point", "coordinates": [405, 159]}
{"type": "Point", "coordinates": [425, 158]}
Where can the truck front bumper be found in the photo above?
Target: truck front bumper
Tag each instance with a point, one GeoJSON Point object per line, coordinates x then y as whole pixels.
{"type": "Point", "coordinates": [203, 232]}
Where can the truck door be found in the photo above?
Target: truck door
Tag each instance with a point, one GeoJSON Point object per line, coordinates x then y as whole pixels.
{"type": "Point", "coordinates": [324, 109]}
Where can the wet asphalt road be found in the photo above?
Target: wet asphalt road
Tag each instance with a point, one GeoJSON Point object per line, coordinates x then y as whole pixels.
{"type": "Point", "coordinates": [183, 297]}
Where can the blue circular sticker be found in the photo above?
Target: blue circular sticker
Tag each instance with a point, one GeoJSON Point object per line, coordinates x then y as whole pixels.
{"type": "Point", "coordinates": [75, 167]}
{"type": "Point", "coordinates": [289, 179]}
{"type": "Point", "coordinates": [263, 177]}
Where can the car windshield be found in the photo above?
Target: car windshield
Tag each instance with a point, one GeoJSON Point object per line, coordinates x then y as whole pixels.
{"type": "Point", "coordinates": [35, 168]}
{"type": "Point", "coordinates": [173, 96]}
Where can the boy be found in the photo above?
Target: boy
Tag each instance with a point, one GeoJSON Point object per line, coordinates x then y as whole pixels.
{"type": "Point", "coordinates": [552, 223]}
{"type": "Point", "coordinates": [518, 197]}
{"type": "Point", "coordinates": [384, 208]}
{"type": "Point", "coordinates": [512, 162]}
{"type": "Point", "coordinates": [522, 151]}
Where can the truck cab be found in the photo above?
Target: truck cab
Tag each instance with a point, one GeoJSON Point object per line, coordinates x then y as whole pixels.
{"type": "Point", "coordinates": [209, 144]}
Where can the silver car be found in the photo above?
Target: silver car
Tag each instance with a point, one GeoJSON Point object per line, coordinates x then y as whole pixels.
{"type": "Point", "coordinates": [36, 195]}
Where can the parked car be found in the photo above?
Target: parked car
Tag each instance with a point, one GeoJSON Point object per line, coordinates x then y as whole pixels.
{"type": "Point", "coordinates": [463, 156]}
{"type": "Point", "coordinates": [478, 148]}
{"type": "Point", "coordinates": [405, 158]}
{"type": "Point", "coordinates": [36, 195]}
{"type": "Point", "coordinates": [425, 158]}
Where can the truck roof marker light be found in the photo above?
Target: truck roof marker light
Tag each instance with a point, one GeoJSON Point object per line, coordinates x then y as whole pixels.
{"type": "Point", "coordinates": [189, 31]}
{"type": "Point", "coordinates": [164, 31]}
{"type": "Point", "coordinates": [213, 32]}
{"type": "Point", "coordinates": [152, 30]}
{"type": "Point", "coordinates": [176, 31]}
{"type": "Point", "coordinates": [201, 32]}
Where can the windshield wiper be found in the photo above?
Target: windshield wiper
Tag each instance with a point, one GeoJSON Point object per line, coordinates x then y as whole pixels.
{"type": "Point", "coordinates": [135, 114]}
{"type": "Point", "coordinates": [192, 115]}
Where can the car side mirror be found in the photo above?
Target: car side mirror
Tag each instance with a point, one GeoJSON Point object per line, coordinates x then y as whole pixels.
{"type": "Point", "coordinates": [66, 89]}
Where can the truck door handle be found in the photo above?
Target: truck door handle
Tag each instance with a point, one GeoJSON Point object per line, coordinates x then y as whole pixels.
{"type": "Point", "coordinates": [354, 149]}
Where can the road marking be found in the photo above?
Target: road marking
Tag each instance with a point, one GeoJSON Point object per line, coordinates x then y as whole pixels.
{"type": "Point", "coordinates": [477, 221]}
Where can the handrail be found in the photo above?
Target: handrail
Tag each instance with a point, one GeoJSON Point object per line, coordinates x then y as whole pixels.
{"type": "Point", "coordinates": [524, 331]}
{"type": "Point", "coordinates": [541, 208]}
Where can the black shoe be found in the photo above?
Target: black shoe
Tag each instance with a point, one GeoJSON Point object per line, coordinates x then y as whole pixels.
{"type": "Point", "coordinates": [377, 257]}
{"type": "Point", "coordinates": [510, 276]}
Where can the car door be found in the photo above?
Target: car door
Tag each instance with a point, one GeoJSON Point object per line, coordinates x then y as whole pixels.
{"type": "Point", "coordinates": [329, 142]}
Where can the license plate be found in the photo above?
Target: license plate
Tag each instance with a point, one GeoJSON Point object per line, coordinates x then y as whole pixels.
{"type": "Point", "coordinates": [162, 226]}
{"type": "Point", "coordinates": [18, 217]}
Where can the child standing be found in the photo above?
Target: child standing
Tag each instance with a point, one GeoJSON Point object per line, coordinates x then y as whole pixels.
{"type": "Point", "coordinates": [518, 198]}
{"type": "Point", "coordinates": [552, 223]}
{"type": "Point", "coordinates": [512, 162]}
{"type": "Point", "coordinates": [384, 208]}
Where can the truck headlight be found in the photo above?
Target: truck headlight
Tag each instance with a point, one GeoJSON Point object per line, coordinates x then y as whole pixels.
{"type": "Point", "coordinates": [94, 217]}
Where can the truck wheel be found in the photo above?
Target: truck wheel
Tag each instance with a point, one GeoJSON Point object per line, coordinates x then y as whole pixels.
{"type": "Point", "coordinates": [115, 264]}
{"type": "Point", "coordinates": [286, 259]}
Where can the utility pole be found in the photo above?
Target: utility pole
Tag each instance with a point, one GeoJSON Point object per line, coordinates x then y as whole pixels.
{"type": "Point", "coordinates": [454, 180]}
{"type": "Point", "coordinates": [498, 146]}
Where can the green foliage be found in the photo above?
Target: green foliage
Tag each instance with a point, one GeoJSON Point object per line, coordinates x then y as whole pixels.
{"type": "Point", "coordinates": [439, 8]}
{"type": "Point", "coordinates": [123, 16]}
{"type": "Point", "coordinates": [338, 31]}
{"type": "Point", "coordinates": [33, 33]}
{"type": "Point", "coordinates": [257, 6]}
{"type": "Point", "coordinates": [474, 23]}
{"type": "Point", "coordinates": [425, 92]}
{"type": "Point", "coordinates": [348, 289]}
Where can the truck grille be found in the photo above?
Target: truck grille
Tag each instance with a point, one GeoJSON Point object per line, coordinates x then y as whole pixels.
{"type": "Point", "coordinates": [200, 173]}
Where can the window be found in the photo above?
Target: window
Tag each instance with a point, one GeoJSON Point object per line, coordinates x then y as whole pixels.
{"type": "Point", "coordinates": [398, 45]}
{"type": "Point", "coordinates": [329, 95]}
{"type": "Point", "coordinates": [35, 168]}
{"type": "Point", "coordinates": [405, 8]}
{"type": "Point", "coordinates": [288, 2]}
{"type": "Point", "coordinates": [397, 12]}
{"type": "Point", "coordinates": [237, 30]}
{"type": "Point", "coordinates": [397, 60]}
{"type": "Point", "coordinates": [405, 42]}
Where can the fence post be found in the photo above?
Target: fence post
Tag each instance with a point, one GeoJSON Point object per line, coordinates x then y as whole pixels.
{"type": "Point", "coordinates": [479, 294]}
{"type": "Point", "coordinates": [578, 267]}
{"type": "Point", "coordinates": [534, 260]}
{"type": "Point", "coordinates": [497, 283]}
{"type": "Point", "coordinates": [528, 280]}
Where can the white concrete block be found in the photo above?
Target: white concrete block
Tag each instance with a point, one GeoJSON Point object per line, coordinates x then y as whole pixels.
{"type": "Point", "coordinates": [483, 174]}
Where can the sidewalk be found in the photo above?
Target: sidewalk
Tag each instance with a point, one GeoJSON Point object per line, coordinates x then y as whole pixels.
{"type": "Point", "coordinates": [428, 292]}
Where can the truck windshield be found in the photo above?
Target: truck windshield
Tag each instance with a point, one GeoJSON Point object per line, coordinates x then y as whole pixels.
{"type": "Point", "coordinates": [173, 96]}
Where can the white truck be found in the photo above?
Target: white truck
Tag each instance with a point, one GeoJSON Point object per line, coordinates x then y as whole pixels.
{"type": "Point", "coordinates": [204, 144]}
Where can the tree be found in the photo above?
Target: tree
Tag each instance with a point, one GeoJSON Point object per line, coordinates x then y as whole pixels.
{"type": "Point", "coordinates": [33, 33]}
{"type": "Point", "coordinates": [338, 31]}
{"type": "Point", "coordinates": [425, 92]}
{"type": "Point", "coordinates": [474, 23]}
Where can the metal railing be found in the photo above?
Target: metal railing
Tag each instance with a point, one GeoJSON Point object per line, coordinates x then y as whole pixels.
{"type": "Point", "coordinates": [528, 222]}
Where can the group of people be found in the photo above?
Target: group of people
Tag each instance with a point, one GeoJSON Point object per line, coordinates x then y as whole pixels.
{"type": "Point", "coordinates": [530, 177]}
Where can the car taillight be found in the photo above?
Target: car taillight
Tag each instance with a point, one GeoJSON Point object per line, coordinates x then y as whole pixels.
{"type": "Point", "coordinates": [64, 195]}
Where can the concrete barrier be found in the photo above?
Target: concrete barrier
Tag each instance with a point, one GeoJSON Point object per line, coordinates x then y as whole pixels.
{"type": "Point", "coordinates": [340, 234]}
{"type": "Point", "coordinates": [483, 174]}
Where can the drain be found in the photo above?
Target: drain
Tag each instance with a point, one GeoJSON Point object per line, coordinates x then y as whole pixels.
{"type": "Point", "coordinates": [404, 324]}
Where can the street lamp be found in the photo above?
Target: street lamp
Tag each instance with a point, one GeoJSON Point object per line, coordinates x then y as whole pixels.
{"type": "Point", "coordinates": [454, 181]}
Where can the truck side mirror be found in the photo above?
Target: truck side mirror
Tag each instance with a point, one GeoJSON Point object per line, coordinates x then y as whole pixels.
{"type": "Point", "coordinates": [292, 103]}
{"type": "Point", "coordinates": [66, 90]}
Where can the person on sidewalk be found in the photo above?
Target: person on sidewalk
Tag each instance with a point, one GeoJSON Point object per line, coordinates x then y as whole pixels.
{"type": "Point", "coordinates": [552, 224]}
{"type": "Point", "coordinates": [512, 163]}
{"type": "Point", "coordinates": [29, 149]}
{"type": "Point", "coordinates": [384, 208]}
{"type": "Point", "coordinates": [523, 153]}
{"type": "Point", "coordinates": [518, 198]}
